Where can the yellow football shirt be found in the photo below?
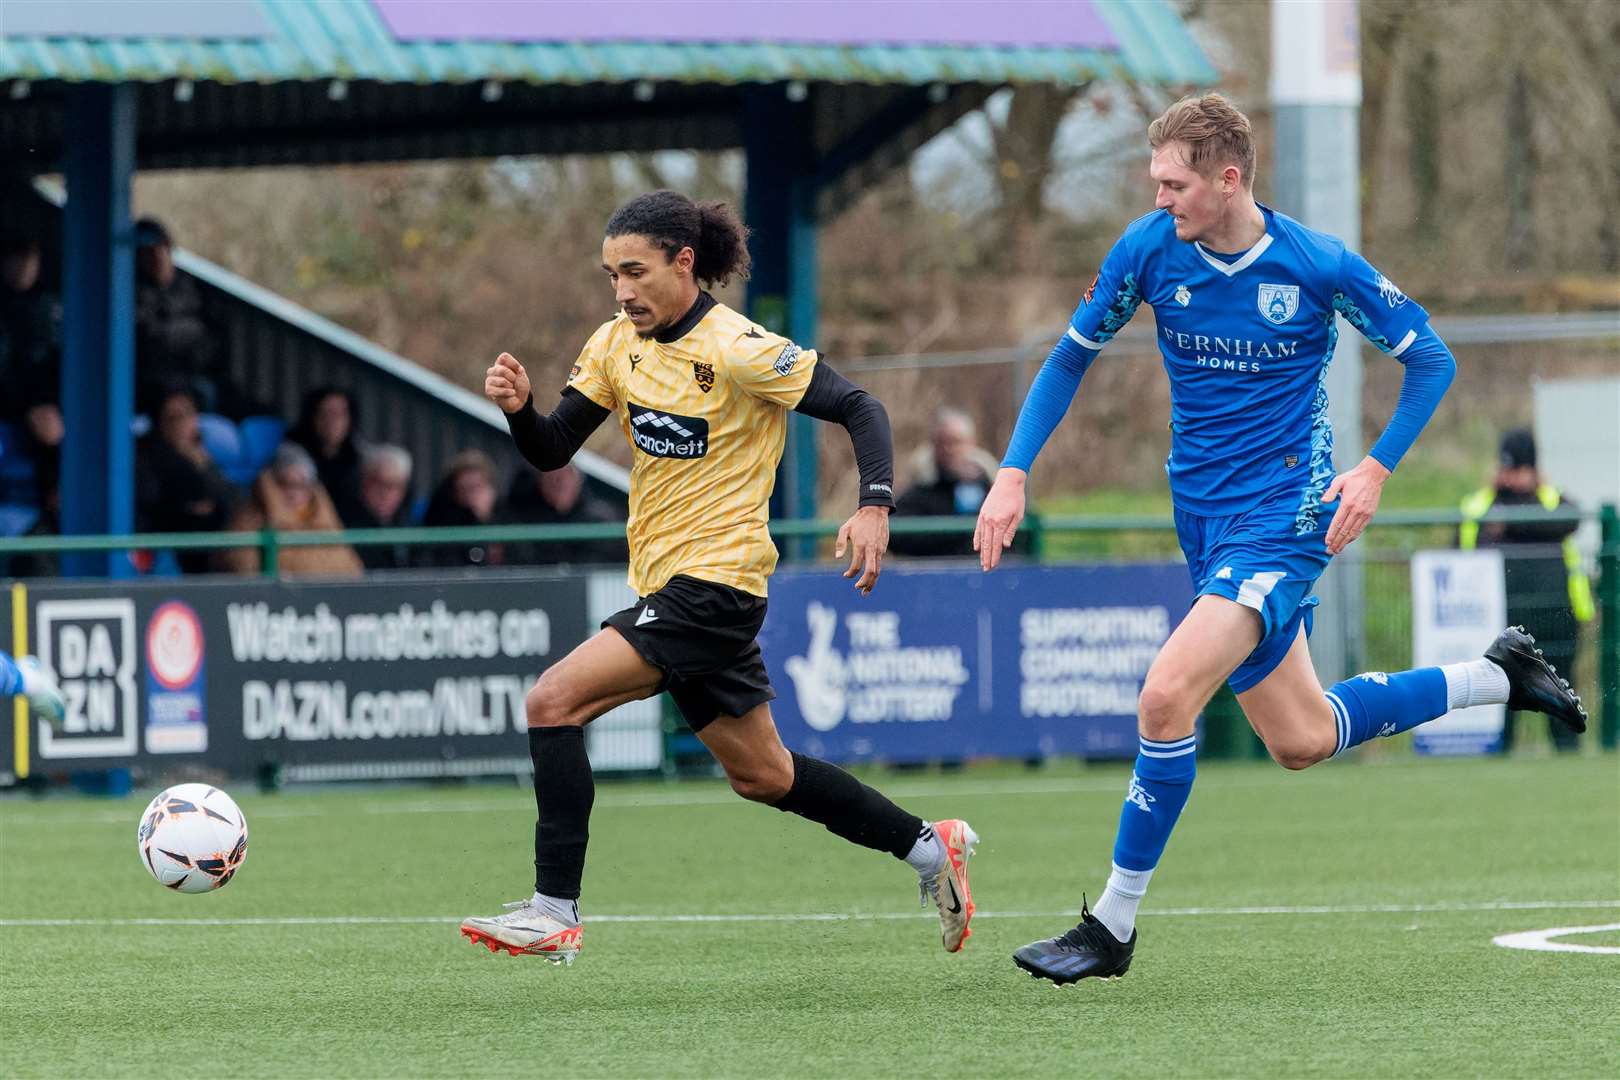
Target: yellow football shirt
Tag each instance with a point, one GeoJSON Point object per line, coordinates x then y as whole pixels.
{"type": "Point", "coordinates": [706, 415]}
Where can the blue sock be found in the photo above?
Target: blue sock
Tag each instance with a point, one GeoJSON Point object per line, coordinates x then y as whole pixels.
{"type": "Point", "coordinates": [1375, 704]}
{"type": "Point", "coordinates": [1159, 788]}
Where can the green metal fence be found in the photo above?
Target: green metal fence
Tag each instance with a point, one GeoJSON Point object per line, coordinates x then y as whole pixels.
{"type": "Point", "coordinates": [1384, 553]}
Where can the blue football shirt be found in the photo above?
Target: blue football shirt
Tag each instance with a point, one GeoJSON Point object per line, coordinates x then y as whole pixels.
{"type": "Point", "coordinates": [1246, 340]}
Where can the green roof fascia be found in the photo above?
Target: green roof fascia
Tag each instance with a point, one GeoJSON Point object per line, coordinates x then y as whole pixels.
{"type": "Point", "coordinates": [346, 39]}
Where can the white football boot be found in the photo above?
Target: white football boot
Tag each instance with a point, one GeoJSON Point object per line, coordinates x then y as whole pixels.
{"type": "Point", "coordinates": [526, 930]}
{"type": "Point", "coordinates": [43, 695]}
{"type": "Point", "coordinates": [948, 888]}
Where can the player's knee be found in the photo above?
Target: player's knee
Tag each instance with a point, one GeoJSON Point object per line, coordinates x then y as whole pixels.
{"type": "Point", "coordinates": [763, 785]}
{"type": "Point", "coordinates": [547, 704]}
{"type": "Point", "coordinates": [1299, 751]}
{"type": "Point", "coordinates": [1164, 711]}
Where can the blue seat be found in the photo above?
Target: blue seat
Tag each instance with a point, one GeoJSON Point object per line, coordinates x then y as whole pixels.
{"type": "Point", "coordinates": [223, 441]}
{"type": "Point", "coordinates": [220, 438]}
{"type": "Point", "coordinates": [16, 519]}
{"type": "Point", "coordinates": [16, 466]}
{"type": "Point", "coordinates": [260, 437]}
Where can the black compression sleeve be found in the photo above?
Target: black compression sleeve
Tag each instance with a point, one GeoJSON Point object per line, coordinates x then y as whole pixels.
{"type": "Point", "coordinates": [550, 442]}
{"type": "Point", "coordinates": [833, 398]}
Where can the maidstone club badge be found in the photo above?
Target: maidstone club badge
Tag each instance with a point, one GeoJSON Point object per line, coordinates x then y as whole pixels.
{"type": "Point", "coordinates": [704, 375]}
{"type": "Point", "coordinates": [1278, 303]}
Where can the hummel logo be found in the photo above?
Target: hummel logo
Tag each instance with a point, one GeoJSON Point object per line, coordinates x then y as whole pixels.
{"type": "Point", "coordinates": [956, 903]}
{"type": "Point", "coordinates": [647, 615]}
{"type": "Point", "coordinates": [1224, 573]}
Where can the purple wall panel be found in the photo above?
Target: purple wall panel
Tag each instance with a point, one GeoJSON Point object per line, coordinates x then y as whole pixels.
{"type": "Point", "coordinates": [1029, 23]}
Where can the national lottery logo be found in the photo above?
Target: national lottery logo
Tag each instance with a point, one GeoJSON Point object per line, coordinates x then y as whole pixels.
{"type": "Point", "coordinates": [174, 645]}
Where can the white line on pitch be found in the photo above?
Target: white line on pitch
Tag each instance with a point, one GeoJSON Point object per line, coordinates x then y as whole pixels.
{"type": "Point", "coordinates": [831, 916]}
{"type": "Point", "coordinates": [1541, 940]}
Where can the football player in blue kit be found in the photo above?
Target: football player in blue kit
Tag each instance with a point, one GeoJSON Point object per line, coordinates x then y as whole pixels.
{"type": "Point", "coordinates": [1244, 299]}
{"type": "Point", "coordinates": [27, 678]}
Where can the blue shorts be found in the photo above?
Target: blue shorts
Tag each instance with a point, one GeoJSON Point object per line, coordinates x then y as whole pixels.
{"type": "Point", "coordinates": [1260, 560]}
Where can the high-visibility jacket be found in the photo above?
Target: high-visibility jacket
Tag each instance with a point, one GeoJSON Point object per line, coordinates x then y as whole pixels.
{"type": "Point", "coordinates": [1478, 504]}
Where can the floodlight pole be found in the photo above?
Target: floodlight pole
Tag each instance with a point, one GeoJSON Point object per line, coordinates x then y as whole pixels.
{"type": "Point", "coordinates": [98, 324]}
{"type": "Point", "coordinates": [1316, 93]}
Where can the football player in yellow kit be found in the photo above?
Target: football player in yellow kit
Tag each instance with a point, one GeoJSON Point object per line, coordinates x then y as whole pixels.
{"type": "Point", "coordinates": [703, 395]}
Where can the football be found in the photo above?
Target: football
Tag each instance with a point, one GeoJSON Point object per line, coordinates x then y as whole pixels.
{"type": "Point", "coordinates": [192, 838]}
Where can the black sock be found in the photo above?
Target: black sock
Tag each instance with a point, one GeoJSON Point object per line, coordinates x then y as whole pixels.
{"type": "Point", "coordinates": [563, 793]}
{"type": "Point", "coordinates": [827, 794]}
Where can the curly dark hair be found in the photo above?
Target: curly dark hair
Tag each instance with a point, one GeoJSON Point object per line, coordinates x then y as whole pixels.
{"type": "Point", "coordinates": [671, 221]}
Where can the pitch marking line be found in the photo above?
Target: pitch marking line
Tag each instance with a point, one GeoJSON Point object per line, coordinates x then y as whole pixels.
{"type": "Point", "coordinates": [881, 916]}
{"type": "Point", "coordinates": [1540, 940]}
{"type": "Point", "coordinates": [53, 817]}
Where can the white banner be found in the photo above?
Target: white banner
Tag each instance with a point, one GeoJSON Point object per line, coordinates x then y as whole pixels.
{"type": "Point", "coordinates": [1459, 605]}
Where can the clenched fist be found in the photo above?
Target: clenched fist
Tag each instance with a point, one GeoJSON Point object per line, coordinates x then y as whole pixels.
{"type": "Point", "coordinates": [507, 384]}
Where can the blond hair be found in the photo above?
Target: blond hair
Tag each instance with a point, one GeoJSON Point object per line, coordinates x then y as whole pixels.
{"type": "Point", "coordinates": [1215, 134]}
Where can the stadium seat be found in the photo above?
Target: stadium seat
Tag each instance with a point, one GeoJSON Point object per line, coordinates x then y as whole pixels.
{"type": "Point", "coordinates": [16, 519]}
{"type": "Point", "coordinates": [16, 466]}
{"type": "Point", "coordinates": [260, 437]}
{"type": "Point", "coordinates": [223, 441]}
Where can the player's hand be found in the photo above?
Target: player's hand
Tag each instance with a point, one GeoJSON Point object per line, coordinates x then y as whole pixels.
{"type": "Point", "coordinates": [999, 516]}
{"type": "Point", "coordinates": [507, 384]}
{"type": "Point", "coordinates": [1357, 493]}
{"type": "Point", "coordinates": [866, 535]}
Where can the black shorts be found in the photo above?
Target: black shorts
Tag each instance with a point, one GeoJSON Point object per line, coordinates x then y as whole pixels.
{"type": "Point", "coordinates": [701, 635]}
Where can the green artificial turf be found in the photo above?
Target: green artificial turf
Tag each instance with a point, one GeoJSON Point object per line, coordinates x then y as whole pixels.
{"type": "Point", "coordinates": [1387, 883]}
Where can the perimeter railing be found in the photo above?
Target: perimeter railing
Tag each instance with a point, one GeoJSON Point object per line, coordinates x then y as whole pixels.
{"type": "Point", "coordinates": [1384, 554]}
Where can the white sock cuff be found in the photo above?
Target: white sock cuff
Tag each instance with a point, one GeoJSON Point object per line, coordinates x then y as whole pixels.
{"type": "Point", "coordinates": [1131, 883]}
{"type": "Point", "coordinates": [1476, 682]}
{"type": "Point", "coordinates": [564, 911]}
{"type": "Point", "coordinates": [927, 855]}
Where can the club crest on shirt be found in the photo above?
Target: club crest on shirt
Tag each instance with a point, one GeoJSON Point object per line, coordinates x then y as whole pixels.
{"type": "Point", "coordinates": [703, 374]}
{"type": "Point", "coordinates": [1278, 303]}
{"type": "Point", "coordinates": [1183, 295]}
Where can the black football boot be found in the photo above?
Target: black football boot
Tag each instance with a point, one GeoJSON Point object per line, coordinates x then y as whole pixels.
{"type": "Point", "coordinates": [1087, 951]}
{"type": "Point", "coordinates": [1533, 684]}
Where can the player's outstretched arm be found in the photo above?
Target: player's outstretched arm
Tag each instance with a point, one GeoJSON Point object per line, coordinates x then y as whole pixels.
{"type": "Point", "coordinates": [1430, 369]}
{"type": "Point", "coordinates": [834, 399]}
{"type": "Point", "coordinates": [547, 442]}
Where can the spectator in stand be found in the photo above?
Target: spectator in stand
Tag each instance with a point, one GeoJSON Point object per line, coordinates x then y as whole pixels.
{"type": "Point", "coordinates": [178, 487]}
{"type": "Point", "coordinates": [465, 496]}
{"type": "Point", "coordinates": [176, 334]}
{"type": "Point", "coordinates": [560, 497]}
{"type": "Point", "coordinates": [287, 496]}
{"type": "Point", "coordinates": [951, 475]}
{"type": "Point", "coordinates": [325, 429]}
{"type": "Point", "coordinates": [385, 484]}
{"type": "Point", "coordinates": [30, 326]}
